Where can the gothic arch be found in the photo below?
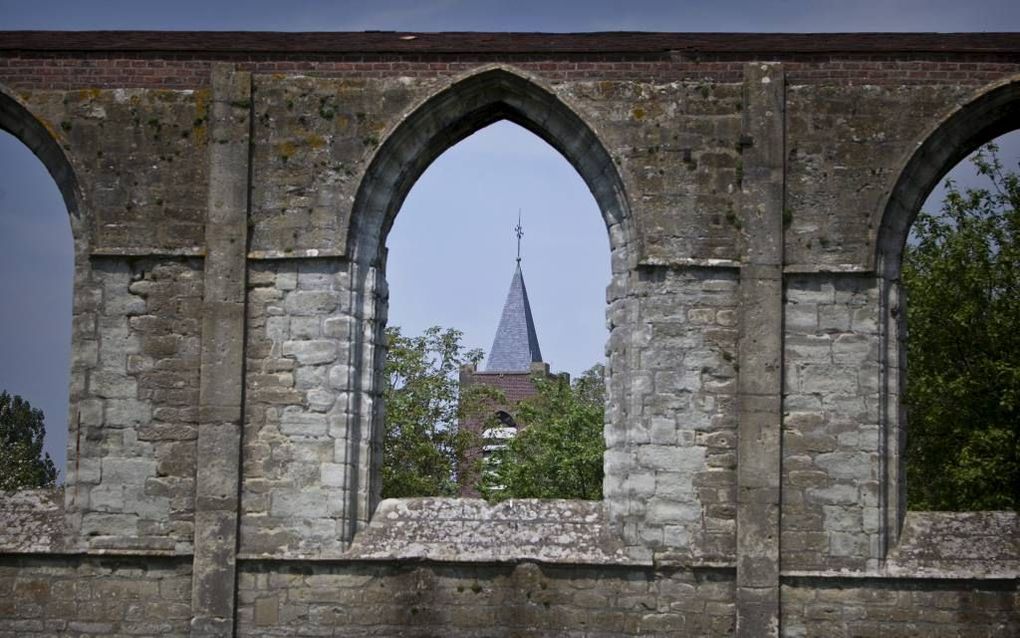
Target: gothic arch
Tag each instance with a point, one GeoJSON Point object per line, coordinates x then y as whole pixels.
{"type": "Point", "coordinates": [993, 112]}
{"type": "Point", "coordinates": [18, 120]}
{"type": "Point", "coordinates": [456, 112]}
{"type": "Point", "coordinates": [436, 124]}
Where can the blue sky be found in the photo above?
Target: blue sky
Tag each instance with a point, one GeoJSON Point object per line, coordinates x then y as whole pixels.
{"type": "Point", "coordinates": [452, 247]}
{"type": "Point", "coordinates": [520, 15]}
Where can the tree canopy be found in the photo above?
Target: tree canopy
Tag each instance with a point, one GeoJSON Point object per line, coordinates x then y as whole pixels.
{"type": "Point", "coordinates": [559, 446]}
{"type": "Point", "coordinates": [557, 452]}
{"type": "Point", "coordinates": [23, 464]}
{"type": "Point", "coordinates": [423, 404]}
{"type": "Point", "coordinates": [961, 270]}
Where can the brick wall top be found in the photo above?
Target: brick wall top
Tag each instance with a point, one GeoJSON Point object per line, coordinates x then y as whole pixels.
{"type": "Point", "coordinates": [60, 60]}
{"type": "Point", "coordinates": [443, 42]}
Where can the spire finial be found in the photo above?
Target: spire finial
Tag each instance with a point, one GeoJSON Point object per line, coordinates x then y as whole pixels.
{"type": "Point", "coordinates": [519, 231]}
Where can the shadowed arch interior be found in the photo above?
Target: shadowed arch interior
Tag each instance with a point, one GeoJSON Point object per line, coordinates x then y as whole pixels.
{"type": "Point", "coordinates": [459, 111]}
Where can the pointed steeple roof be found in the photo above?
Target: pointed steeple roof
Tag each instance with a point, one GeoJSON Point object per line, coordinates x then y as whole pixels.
{"type": "Point", "coordinates": [515, 347]}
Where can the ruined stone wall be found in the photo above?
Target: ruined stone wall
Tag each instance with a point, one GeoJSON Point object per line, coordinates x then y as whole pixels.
{"type": "Point", "coordinates": [671, 434]}
{"type": "Point", "coordinates": [94, 596]}
{"type": "Point", "coordinates": [472, 600]}
{"type": "Point", "coordinates": [831, 434]}
{"type": "Point", "coordinates": [884, 607]}
{"type": "Point", "coordinates": [295, 444]}
{"type": "Point", "coordinates": [132, 450]}
{"type": "Point", "coordinates": [230, 210]}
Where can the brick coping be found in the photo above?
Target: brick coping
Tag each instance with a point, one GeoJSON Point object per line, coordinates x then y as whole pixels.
{"type": "Point", "coordinates": [463, 42]}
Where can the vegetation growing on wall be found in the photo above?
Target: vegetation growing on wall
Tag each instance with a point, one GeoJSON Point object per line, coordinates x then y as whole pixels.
{"type": "Point", "coordinates": [961, 270]}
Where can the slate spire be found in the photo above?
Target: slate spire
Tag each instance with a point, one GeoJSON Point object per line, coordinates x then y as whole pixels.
{"type": "Point", "coordinates": [515, 346]}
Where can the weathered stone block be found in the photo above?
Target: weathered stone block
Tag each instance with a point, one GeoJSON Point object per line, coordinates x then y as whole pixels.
{"type": "Point", "coordinates": [305, 328]}
{"type": "Point", "coordinates": [320, 400]}
{"type": "Point", "coordinates": [845, 464]}
{"type": "Point", "coordinates": [311, 352]}
{"type": "Point", "coordinates": [311, 302]}
{"type": "Point", "coordinates": [848, 544]}
{"type": "Point", "coordinates": [837, 494]}
{"type": "Point", "coordinates": [112, 385]}
{"type": "Point", "coordinates": [127, 471]}
{"type": "Point", "coordinates": [127, 412]}
{"type": "Point", "coordinates": [801, 318]}
{"type": "Point", "coordinates": [827, 379]}
{"type": "Point", "coordinates": [339, 377]}
{"type": "Point", "coordinates": [296, 421]}
{"type": "Point", "coordinates": [267, 611]}
{"type": "Point", "coordinates": [108, 524]}
{"type": "Point", "coordinates": [107, 497]}
{"type": "Point", "coordinates": [337, 327]}
{"type": "Point", "coordinates": [670, 458]}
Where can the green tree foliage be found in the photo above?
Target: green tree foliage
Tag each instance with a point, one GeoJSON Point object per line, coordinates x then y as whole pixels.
{"type": "Point", "coordinates": [423, 404]}
{"type": "Point", "coordinates": [558, 450]}
{"type": "Point", "coordinates": [23, 464]}
{"type": "Point", "coordinates": [961, 270]}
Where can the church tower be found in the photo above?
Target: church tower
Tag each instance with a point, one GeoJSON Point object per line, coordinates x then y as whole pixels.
{"type": "Point", "coordinates": [514, 357]}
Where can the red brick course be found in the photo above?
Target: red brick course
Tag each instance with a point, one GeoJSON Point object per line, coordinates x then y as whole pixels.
{"type": "Point", "coordinates": [39, 60]}
{"type": "Point", "coordinates": [504, 42]}
{"type": "Point", "coordinates": [515, 386]}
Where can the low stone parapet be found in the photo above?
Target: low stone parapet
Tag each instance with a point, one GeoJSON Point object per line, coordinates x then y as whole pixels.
{"type": "Point", "coordinates": [472, 530]}
{"type": "Point", "coordinates": [32, 521]}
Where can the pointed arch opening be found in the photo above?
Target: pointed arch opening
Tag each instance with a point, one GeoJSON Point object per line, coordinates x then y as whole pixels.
{"type": "Point", "coordinates": [993, 113]}
{"type": "Point", "coordinates": [440, 122]}
{"type": "Point", "coordinates": [983, 119]}
{"type": "Point", "coordinates": [17, 120]}
{"type": "Point", "coordinates": [519, 305]}
{"type": "Point", "coordinates": [467, 106]}
{"type": "Point", "coordinates": [38, 246]}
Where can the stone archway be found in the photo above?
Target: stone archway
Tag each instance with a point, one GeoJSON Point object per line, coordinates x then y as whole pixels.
{"type": "Point", "coordinates": [464, 107]}
{"type": "Point", "coordinates": [17, 120]}
{"type": "Point", "coordinates": [993, 112]}
{"type": "Point", "coordinates": [43, 141]}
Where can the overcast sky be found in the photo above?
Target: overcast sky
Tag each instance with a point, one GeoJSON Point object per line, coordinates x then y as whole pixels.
{"type": "Point", "coordinates": [452, 247]}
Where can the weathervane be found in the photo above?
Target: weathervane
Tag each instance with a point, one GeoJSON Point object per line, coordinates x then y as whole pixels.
{"type": "Point", "coordinates": [519, 231]}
